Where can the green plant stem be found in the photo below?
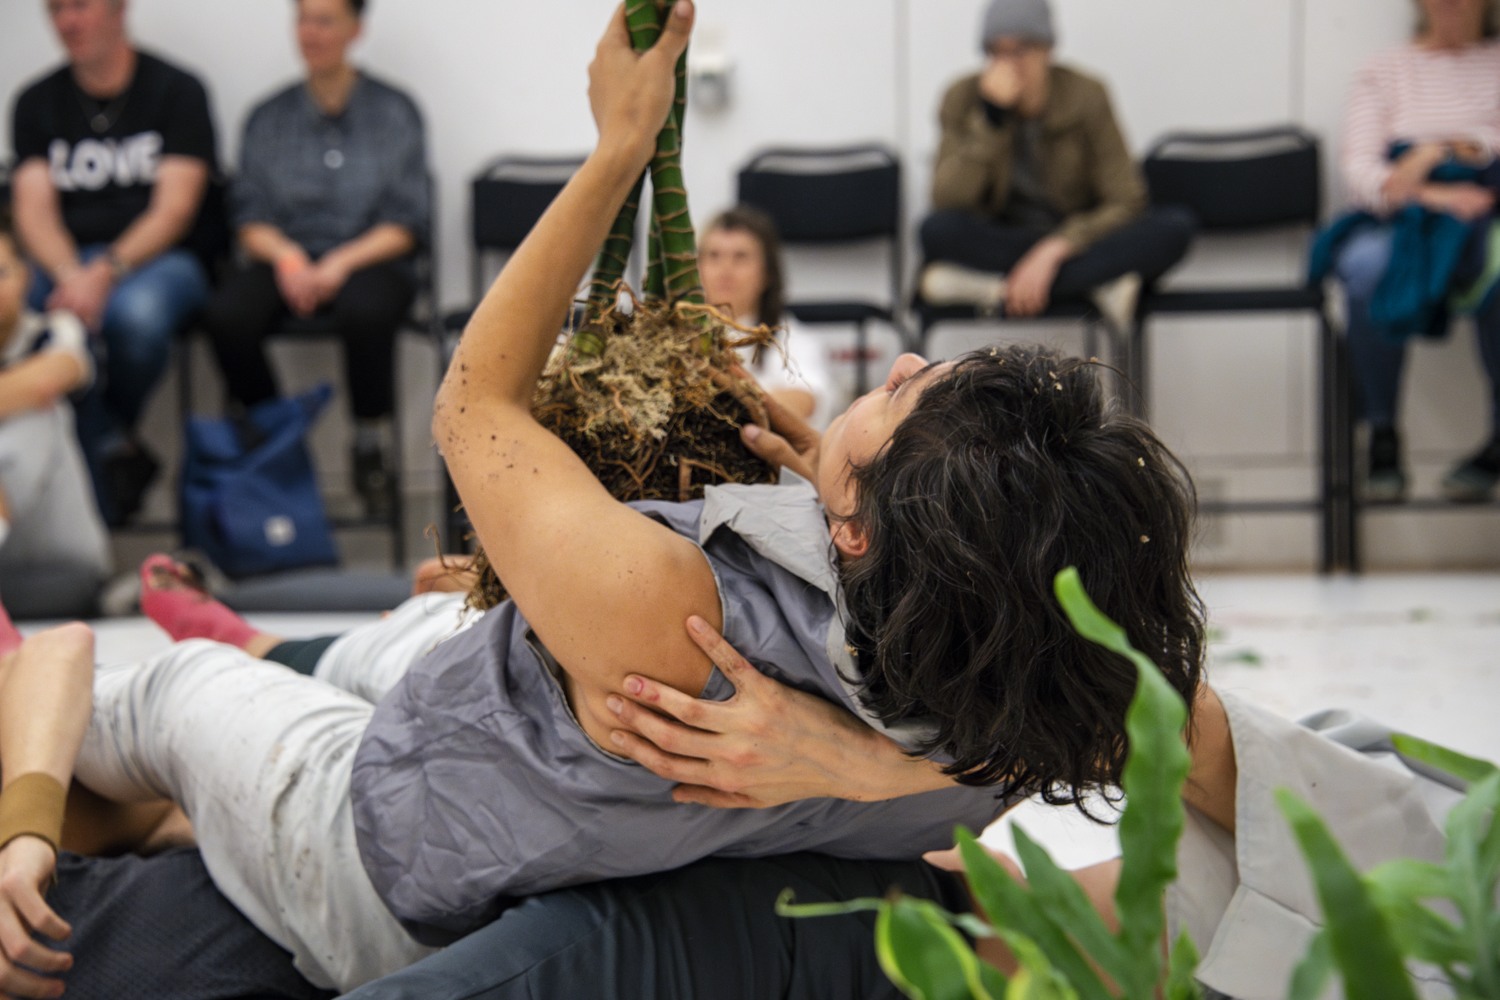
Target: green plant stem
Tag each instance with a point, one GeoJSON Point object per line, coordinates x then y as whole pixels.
{"type": "Point", "coordinates": [643, 20]}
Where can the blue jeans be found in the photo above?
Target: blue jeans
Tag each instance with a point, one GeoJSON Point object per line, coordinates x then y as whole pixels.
{"type": "Point", "coordinates": [1377, 360]}
{"type": "Point", "coordinates": [144, 313]}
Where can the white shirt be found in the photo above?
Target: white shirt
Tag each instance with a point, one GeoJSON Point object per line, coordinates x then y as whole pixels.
{"type": "Point", "coordinates": [796, 360]}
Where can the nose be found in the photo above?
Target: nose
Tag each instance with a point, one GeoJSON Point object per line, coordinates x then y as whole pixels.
{"type": "Point", "coordinates": [905, 365]}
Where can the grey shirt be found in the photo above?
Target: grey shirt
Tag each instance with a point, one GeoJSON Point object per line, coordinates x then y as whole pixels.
{"type": "Point", "coordinates": [324, 180]}
{"type": "Point", "coordinates": [475, 783]}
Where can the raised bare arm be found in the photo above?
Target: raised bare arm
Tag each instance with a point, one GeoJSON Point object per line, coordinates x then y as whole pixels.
{"type": "Point", "coordinates": [604, 587]}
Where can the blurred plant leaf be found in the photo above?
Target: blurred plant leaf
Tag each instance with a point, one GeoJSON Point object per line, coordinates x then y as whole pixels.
{"type": "Point", "coordinates": [1311, 975]}
{"type": "Point", "coordinates": [1011, 909]}
{"type": "Point", "coordinates": [924, 956]}
{"type": "Point", "coordinates": [1468, 769]}
{"type": "Point", "coordinates": [1181, 965]}
{"type": "Point", "coordinates": [1359, 937]}
{"type": "Point", "coordinates": [1155, 771]}
{"type": "Point", "coordinates": [1065, 901]}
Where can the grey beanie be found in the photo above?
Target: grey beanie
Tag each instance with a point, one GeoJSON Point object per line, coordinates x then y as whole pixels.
{"type": "Point", "coordinates": [1028, 19]}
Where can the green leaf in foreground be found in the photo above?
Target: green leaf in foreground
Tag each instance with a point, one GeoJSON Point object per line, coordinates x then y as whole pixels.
{"type": "Point", "coordinates": [1181, 966]}
{"type": "Point", "coordinates": [1155, 772]}
{"type": "Point", "coordinates": [1359, 938]}
{"type": "Point", "coordinates": [1452, 762]}
{"type": "Point", "coordinates": [1014, 910]}
{"type": "Point", "coordinates": [924, 956]}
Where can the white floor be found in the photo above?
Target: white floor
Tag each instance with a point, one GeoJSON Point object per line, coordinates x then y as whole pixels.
{"type": "Point", "coordinates": [1419, 652]}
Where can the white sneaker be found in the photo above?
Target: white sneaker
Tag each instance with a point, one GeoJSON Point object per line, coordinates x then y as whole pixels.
{"type": "Point", "coordinates": [1116, 300]}
{"type": "Point", "coordinates": [953, 285]}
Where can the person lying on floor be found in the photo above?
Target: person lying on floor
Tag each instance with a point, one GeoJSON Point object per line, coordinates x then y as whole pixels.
{"type": "Point", "coordinates": [1241, 891]}
{"type": "Point", "coordinates": [911, 585]}
{"type": "Point", "coordinates": [129, 926]}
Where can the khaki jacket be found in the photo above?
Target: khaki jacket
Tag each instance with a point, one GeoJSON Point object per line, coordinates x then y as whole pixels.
{"type": "Point", "coordinates": [1091, 177]}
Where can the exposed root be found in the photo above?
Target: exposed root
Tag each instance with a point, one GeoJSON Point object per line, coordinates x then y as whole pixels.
{"type": "Point", "coordinates": [653, 415]}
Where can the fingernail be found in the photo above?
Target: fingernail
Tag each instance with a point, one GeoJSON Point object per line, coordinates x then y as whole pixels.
{"type": "Point", "coordinates": [697, 625]}
{"type": "Point", "coordinates": [683, 8]}
{"type": "Point", "coordinates": [618, 739]}
{"type": "Point", "coordinates": [633, 685]}
{"type": "Point", "coordinates": [615, 703]}
{"type": "Point", "coordinates": [752, 432]}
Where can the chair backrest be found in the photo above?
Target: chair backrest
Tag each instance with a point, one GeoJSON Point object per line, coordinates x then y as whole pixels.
{"type": "Point", "coordinates": [1239, 180]}
{"type": "Point", "coordinates": [834, 195]}
{"type": "Point", "coordinates": [508, 197]}
{"type": "Point", "coordinates": [831, 196]}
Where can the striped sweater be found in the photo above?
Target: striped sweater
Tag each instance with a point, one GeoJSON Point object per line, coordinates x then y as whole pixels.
{"type": "Point", "coordinates": [1415, 94]}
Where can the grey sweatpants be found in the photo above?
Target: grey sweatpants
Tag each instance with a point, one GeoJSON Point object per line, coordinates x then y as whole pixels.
{"type": "Point", "coordinates": [259, 757]}
{"type": "Point", "coordinates": [57, 555]}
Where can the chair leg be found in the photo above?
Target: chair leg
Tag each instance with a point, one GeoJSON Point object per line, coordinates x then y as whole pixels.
{"type": "Point", "coordinates": [1138, 369]}
{"type": "Point", "coordinates": [1349, 488]}
{"type": "Point", "coordinates": [861, 361]}
{"type": "Point", "coordinates": [398, 490]}
{"type": "Point", "coordinates": [1330, 486]}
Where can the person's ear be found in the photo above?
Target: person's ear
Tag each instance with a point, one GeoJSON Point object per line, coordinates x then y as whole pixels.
{"type": "Point", "coordinates": [850, 539]}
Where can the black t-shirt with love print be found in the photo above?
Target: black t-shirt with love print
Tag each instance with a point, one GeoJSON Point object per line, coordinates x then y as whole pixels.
{"type": "Point", "coordinates": [103, 155]}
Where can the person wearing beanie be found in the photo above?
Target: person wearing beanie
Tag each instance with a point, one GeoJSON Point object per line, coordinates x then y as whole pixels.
{"type": "Point", "coordinates": [1035, 194]}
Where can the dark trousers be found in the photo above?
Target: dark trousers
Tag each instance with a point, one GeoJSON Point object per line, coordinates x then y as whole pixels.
{"type": "Point", "coordinates": [366, 315]}
{"type": "Point", "coordinates": [705, 932]}
{"type": "Point", "coordinates": [1148, 246]}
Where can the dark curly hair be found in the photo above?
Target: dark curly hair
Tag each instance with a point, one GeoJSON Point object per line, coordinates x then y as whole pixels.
{"type": "Point", "coordinates": [1008, 469]}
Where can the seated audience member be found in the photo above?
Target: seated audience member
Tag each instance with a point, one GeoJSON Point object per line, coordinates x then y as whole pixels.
{"type": "Point", "coordinates": [1439, 97]}
{"type": "Point", "coordinates": [1035, 195]}
{"type": "Point", "coordinates": [343, 827]}
{"type": "Point", "coordinates": [114, 152]}
{"type": "Point", "coordinates": [739, 260]}
{"type": "Point", "coordinates": [54, 553]}
{"type": "Point", "coordinates": [330, 202]}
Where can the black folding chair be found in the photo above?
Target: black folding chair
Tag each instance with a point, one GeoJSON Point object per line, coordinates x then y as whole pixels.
{"type": "Point", "coordinates": [847, 196]}
{"type": "Point", "coordinates": [508, 196]}
{"type": "Point", "coordinates": [1241, 183]}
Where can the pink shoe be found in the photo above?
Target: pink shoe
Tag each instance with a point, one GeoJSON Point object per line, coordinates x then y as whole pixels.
{"type": "Point", "coordinates": [10, 639]}
{"type": "Point", "coordinates": [173, 596]}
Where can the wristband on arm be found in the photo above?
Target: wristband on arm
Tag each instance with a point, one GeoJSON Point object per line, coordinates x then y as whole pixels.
{"type": "Point", "coordinates": [33, 805]}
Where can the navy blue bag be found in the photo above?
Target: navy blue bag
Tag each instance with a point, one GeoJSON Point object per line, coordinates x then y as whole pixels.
{"type": "Point", "coordinates": [250, 499]}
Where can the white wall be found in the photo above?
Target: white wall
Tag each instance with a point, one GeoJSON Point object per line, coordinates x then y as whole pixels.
{"type": "Point", "coordinates": [1235, 397]}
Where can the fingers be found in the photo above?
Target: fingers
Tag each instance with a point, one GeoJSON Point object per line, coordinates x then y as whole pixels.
{"type": "Point", "coordinates": [684, 708]}
{"type": "Point", "coordinates": [42, 919]}
{"type": "Point", "coordinates": [20, 983]}
{"type": "Point", "coordinates": [774, 449]}
{"type": "Point", "coordinates": [731, 664]}
{"type": "Point", "coordinates": [700, 795]}
{"type": "Point", "coordinates": [618, 31]}
{"type": "Point", "coordinates": [660, 763]}
{"type": "Point", "coordinates": [789, 425]}
{"type": "Point", "coordinates": [676, 32]}
{"type": "Point", "coordinates": [672, 736]}
{"type": "Point", "coordinates": [948, 861]}
{"type": "Point", "coordinates": [20, 949]}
